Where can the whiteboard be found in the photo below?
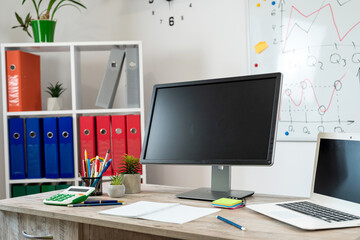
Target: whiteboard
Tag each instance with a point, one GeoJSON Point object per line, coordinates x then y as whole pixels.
{"type": "Point", "coordinates": [316, 45]}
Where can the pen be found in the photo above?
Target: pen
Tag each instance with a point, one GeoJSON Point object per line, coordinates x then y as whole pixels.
{"type": "Point", "coordinates": [83, 168]}
{"type": "Point", "coordinates": [89, 167]}
{"type": "Point", "coordinates": [97, 166]}
{"type": "Point", "coordinates": [94, 204]}
{"type": "Point", "coordinates": [231, 223]}
{"type": "Point", "coordinates": [102, 201]}
{"type": "Point", "coordinates": [105, 159]}
{"type": "Point", "coordinates": [102, 172]}
{"type": "Point", "coordinates": [92, 169]}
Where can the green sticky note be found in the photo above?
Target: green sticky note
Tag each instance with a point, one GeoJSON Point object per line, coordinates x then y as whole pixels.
{"type": "Point", "coordinates": [227, 201]}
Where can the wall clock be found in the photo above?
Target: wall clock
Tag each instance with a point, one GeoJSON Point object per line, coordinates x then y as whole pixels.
{"type": "Point", "coordinates": [171, 16]}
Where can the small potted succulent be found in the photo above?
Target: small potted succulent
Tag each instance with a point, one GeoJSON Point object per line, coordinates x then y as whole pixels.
{"type": "Point", "coordinates": [43, 24]}
{"type": "Point", "coordinates": [54, 102]}
{"type": "Point", "coordinates": [131, 168]}
{"type": "Point", "coordinates": [116, 188]}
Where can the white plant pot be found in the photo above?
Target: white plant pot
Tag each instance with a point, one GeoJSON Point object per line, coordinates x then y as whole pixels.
{"type": "Point", "coordinates": [132, 183]}
{"type": "Point", "coordinates": [54, 104]}
{"type": "Point", "coordinates": [116, 191]}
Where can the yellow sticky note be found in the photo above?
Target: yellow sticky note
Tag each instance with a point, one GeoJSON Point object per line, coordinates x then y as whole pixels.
{"type": "Point", "coordinates": [261, 46]}
{"type": "Point", "coordinates": [227, 201]}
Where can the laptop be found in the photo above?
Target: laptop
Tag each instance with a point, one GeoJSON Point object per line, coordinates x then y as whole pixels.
{"type": "Point", "coordinates": [335, 192]}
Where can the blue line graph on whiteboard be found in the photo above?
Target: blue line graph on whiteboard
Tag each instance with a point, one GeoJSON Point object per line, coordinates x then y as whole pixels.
{"type": "Point", "coordinates": [316, 45]}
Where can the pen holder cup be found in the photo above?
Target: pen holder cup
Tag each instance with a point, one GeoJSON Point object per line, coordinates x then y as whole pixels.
{"type": "Point", "coordinates": [93, 182]}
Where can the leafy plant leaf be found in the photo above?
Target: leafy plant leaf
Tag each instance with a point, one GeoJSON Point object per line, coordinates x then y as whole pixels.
{"type": "Point", "coordinates": [55, 90]}
{"type": "Point", "coordinates": [36, 8]}
{"type": "Point", "coordinates": [117, 179]}
{"type": "Point", "coordinates": [19, 19]}
{"type": "Point", "coordinates": [61, 3]}
{"type": "Point", "coordinates": [129, 165]}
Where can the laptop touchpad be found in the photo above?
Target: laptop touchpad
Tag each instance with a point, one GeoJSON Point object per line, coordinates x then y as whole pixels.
{"type": "Point", "coordinates": [285, 214]}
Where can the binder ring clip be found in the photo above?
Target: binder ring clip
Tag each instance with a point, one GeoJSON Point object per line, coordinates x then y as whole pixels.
{"type": "Point", "coordinates": [16, 135]}
{"type": "Point", "coordinates": [118, 131]}
{"type": "Point", "coordinates": [32, 134]}
{"type": "Point", "coordinates": [50, 135]}
{"type": "Point", "coordinates": [86, 131]}
{"type": "Point", "coordinates": [133, 130]}
{"type": "Point", "coordinates": [65, 134]}
{"type": "Point", "coordinates": [103, 131]}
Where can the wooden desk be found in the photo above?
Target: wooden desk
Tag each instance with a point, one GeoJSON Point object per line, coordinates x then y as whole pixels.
{"type": "Point", "coordinates": [30, 214]}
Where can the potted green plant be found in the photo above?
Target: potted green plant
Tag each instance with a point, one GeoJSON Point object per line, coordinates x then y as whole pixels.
{"type": "Point", "coordinates": [54, 102]}
{"type": "Point", "coordinates": [43, 24]}
{"type": "Point", "coordinates": [131, 167]}
{"type": "Point", "coordinates": [116, 188]}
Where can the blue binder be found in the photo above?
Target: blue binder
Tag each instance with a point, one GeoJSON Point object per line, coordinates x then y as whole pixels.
{"type": "Point", "coordinates": [16, 148]}
{"type": "Point", "coordinates": [66, 149]}
{"type": "Point", "coordinates": [34, 148]}
{"type": "Point", "coordinates": [51, 150]}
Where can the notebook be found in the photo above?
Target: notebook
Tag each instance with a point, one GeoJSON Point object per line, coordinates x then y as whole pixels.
{"type": "Point", "coordinates": [335, 188]}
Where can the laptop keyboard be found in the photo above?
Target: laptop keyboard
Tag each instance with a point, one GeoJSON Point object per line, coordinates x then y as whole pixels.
{"type": "Point", "coordinates": [314, 210]}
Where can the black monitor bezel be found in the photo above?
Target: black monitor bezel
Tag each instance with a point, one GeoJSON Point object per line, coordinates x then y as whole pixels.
{"type": "Point", "coordinates": [268, 161]}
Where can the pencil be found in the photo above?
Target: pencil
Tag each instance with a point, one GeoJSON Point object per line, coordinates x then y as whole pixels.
{"type": "Point", "coordinates": [102, 201]}
{"type": "Point", "coordinates": [85, 154]}
{"type": "Point", "coordinates": [94, 204]}
{"type": "Point", "coordinates": [105, 159]}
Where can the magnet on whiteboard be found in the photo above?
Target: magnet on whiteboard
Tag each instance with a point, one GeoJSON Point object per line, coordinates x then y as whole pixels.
{"type": "Point", "coordinates": [261, 46]}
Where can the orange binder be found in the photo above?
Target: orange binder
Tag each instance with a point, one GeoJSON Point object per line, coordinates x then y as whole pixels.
{"type": "Point", "coordinates": [23, 81]}
{"type": "Point", "coordinates": [87, 137]}
{"type": "Point", "coordinates": [118, 137]}
{"type": "Point", "coordinates": [103, 135]}
{"type": "Point", "coordinates": [133, 135]}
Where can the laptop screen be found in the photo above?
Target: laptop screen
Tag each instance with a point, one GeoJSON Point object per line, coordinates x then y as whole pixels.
{"type": "Point", "coordinates": [338, 169]}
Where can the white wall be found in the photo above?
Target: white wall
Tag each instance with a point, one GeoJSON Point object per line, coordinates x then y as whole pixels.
{"type": "Point", "coordinates": [210, 42]}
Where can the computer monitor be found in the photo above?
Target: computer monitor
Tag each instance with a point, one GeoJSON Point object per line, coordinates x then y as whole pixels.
{"type": "Point", "coordinates": [220, 122]}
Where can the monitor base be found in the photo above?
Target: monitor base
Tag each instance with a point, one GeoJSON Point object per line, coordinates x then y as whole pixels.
{"type": "Point", "coordinates": [206, 194]}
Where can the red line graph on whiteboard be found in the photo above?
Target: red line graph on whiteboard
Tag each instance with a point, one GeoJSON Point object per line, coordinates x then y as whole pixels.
{"type": "Point", "coordinates": [306, 16]}
{"type": "Point", "coordinates": [321, 109]}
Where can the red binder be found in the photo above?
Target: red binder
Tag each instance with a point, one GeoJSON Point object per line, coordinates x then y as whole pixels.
{"type": "Point", "coordinates": [23, 81]}
{"type": "Point", "coordinates": [133, 135]}
{"type": "Point", "coordinates": [118, 137]}
{"type": "Point", "coordinates": [103, 135]}
{"type": "Point", "coordinates": [87, 137]}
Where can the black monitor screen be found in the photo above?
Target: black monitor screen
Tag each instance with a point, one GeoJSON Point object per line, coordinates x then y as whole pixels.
{"type": "Point", "coordinates": [221, 121]}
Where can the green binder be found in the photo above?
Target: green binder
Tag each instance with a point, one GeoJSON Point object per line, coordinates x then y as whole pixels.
{"type": "Point", "coordinates": [18, 190]}
{"type": "Point", "coordinates": [47, 188]}
{"type": "Point", "coordinates": [62, 186]}
{"type": "Point", "coordinates": [32, 189]}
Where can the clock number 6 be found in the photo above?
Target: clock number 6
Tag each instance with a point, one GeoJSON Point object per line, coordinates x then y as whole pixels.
{"type": "Point", "coordinates": [151, 1]}
{"type": "Point", "coordinates": [171, 21]}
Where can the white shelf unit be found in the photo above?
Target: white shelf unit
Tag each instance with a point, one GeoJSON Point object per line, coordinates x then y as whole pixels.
{"type": "Point", "coordinates": [83, 65]}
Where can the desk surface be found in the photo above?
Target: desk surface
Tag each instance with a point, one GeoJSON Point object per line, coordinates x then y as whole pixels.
{"type": "Point", "coordinates": [208, 227]}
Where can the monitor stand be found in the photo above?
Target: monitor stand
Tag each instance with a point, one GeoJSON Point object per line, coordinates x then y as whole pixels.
{"type": "Point", "coordinates": [220, 187]}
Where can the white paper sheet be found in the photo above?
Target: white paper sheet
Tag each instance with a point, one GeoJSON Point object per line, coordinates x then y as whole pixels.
{"type": "Point", "coordinates": [180, 214]}
{"type": "Point", "coordinates": [138, 209]}
{"type": "Point", "coordinates": [163, 212]}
